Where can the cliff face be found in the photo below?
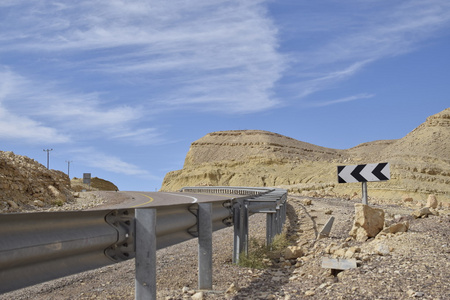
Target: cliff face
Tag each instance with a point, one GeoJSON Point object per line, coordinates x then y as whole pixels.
{"type": "Point", "coordinates": [420, 162]}
{"type": "Point", "coordinates": [25, 183]}
{"type": "Point", "coordinates": [247, 158]}
{"type": "Point", "coordinates": [245, 145]}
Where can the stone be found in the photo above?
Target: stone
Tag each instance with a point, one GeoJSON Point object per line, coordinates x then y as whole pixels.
{"type": "Point", "coordinates": [331, 248]}
{"type": "Point", "coordinates": [310, 293]}
{"type": "Point", "coordinates": [397, 227]}
{"type": "Point", "coordinates": [307, 202]}
{"type": "Point", "coordinates": [12, 204]}
{"type": "Point", "coordinates": [421, 213]}
{"type": "Point", "coordinates": [434, 211]}
{"type": "Point", "coordinates": [38, 203]}
{"type": "Point", "coordinates": [338, 263]}
{"type": "Point", "coordinates": [54, 191]}
{"type": "Point", "coordinates": [232, 289]}
{"type": "Point", "coordinates": [382, 249]}
{"type": "Point", "coordinates": [198, 296]}
{"type": "Point", "coordinates": [340, 252]}
{"type": "Point", "coordinates": [432, 201]}
{"type": "Point", "coordinates": [368, 222]}
{"type": "Point", "coordinates": [414, 294]}
{"type": "Point", "coordinates": [293, 252]}
{"type": "Point", "coordinates": [351, 252]}
{"type": "Point", "coordinates": [407, 198]}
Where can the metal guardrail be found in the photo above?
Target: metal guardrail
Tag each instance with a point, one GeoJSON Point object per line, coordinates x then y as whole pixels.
{"type": "Point", "coordinates": [263, 200]}
{"type": "Point", "coordinates": [38, 247]}
{"type": "Point", "coordinates": [231, 190]}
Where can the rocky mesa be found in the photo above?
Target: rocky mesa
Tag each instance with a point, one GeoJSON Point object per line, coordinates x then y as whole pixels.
{"type": "Point", "coordinates": [420, 163]}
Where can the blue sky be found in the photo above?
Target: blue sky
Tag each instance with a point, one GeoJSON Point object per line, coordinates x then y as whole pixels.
{"type": "Point", "coordinates": [122, 88]}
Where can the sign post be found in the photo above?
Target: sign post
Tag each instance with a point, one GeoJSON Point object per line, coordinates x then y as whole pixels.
{"type": "Point", "coordinates": [364, 173]}
{"type": "Point", "coordinates": [87, 179]}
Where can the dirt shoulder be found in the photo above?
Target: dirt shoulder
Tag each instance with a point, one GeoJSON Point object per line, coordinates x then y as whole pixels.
{"type": "Point", "coordinates": [414, 264]}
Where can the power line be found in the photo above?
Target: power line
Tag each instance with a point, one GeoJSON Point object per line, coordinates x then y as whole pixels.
{"type": "Point", "coordinates": [48, 156]}
{"type": "Point", "coordinates": [68, 167]}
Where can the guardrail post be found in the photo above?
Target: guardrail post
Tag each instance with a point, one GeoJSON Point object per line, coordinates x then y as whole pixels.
{"type": "Point", "coordinates": [244, 217]}
{"type": "Point", "coordinates": [240, 219]}
{"type": "Point", "coordinates": [270, 228]}
{"type": "Point", "coordinates": [279, 224]}
{"type": "Point", "coordinates": [205, 246]}
{"type": "Point", "coordinates": [145, 282]}
{"type": "Point", "coordinates": [237, 229]}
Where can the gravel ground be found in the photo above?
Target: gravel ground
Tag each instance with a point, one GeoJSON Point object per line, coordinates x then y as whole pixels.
{"type": "Point", "coordinates": [416, 264]}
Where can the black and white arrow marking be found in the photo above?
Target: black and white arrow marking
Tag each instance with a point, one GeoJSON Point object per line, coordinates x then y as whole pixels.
{"type": "Point", "coordinates": [364, 173]}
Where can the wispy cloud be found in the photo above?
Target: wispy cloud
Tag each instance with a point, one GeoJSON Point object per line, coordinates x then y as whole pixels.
{"type": "Point", "coordinates": [326, 80]}
{"type": "Point", "coordinates": [228, 49]}
{"type": "Point", "coordinates": [34, 111]}
{"type": "Point", "coordinates": [343, 100]}
{"type": "Point", "coordinates": [97, 159]}
{"type": "Point", "coordinates": [350, 42]}
{"type": "Point", "coordinates": [17, 127]}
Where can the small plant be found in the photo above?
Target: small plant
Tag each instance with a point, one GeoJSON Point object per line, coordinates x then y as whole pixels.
{"type": "Point", "coordinates": [279, 243]}
{"type": "Point", "coordinates": [258, 252]}
{"type": "Point", "coordinates": [58, 202]}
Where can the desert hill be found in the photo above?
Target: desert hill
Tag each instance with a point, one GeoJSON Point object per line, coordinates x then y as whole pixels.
{"type": "Point", "coordinates": [420, 163]}
{"type": "Point", "coordinates": [25, 183]}
{"type": "Point", "coordinates": [97, 184]}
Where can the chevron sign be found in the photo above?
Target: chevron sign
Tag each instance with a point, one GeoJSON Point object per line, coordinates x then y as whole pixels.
{"type": "Point", "coordinates": [364, 173]}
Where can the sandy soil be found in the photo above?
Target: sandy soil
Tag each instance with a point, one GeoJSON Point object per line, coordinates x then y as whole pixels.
{"type": "Point", "coordinates": [416, 264]}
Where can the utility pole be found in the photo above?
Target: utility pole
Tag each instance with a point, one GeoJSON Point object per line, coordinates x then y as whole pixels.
{"type": "Point", "coordinates": [68, 167]}
{"type": "Point", "coordinates": [48, 156]}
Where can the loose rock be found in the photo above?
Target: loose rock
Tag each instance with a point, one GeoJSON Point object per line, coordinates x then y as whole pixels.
{"type": "Point", "coordinates": [432, 201]}
{"type": "Point", "coordinates": [368, 222]}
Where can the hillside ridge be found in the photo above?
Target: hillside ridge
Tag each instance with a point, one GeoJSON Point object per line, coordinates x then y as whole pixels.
{"type": "Point", "coordinates": [420, 162]}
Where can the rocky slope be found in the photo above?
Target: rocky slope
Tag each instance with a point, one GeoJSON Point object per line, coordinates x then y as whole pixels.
{"type": "Point", "coordinates": [420, 163]}
{"type": "Point", "coordinates": [97, 184]}
{"type": "Point", "coordinates": [26, 184]}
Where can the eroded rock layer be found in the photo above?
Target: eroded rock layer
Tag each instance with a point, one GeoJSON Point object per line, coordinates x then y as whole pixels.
{"type": "Point", "coordinates": [420, 163]}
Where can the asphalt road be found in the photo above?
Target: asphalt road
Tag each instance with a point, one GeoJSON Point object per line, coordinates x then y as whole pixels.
{"type": "Point", "coordinates": [151, 199]}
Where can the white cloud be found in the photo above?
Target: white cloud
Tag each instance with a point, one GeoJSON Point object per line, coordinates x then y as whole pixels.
{"type": "Point", "coordinates": [326, 80]}
{"type": "Point", "coordinates": [343, 100]}
{"type": "Point", "coordinates": [15, 127]}
{"type": "Point", "coordinates": [206, 42]}
{"type": "Point", "coordinates": [33, 111]}
{"type": "Point", "coordinates": [375, 31]}
{"type": "Point", "coordinates": [208, 55]}
{"type": "Point", "coordinates": [96, 159]}
{"type": "Point", "coordinates": [339, 43]}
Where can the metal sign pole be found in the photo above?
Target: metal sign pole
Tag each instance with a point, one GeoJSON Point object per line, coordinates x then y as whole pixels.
{"type": "Point", "coordinates": [364, 193]}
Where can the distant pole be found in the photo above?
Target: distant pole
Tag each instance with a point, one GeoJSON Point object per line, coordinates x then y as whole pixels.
{"type": "Point", "coordinates": [68, 167]}
{"type": "Point", "coordinates": [48, 156]}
